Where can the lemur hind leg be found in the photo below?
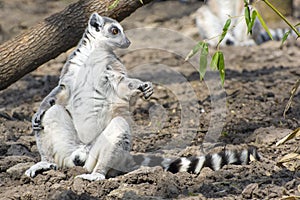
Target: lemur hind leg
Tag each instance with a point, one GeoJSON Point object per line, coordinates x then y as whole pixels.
{"type": "Point", "coordinates": [110, 151]}
{"type": "Point", "coordinates": [58, 95]}
{"type": "Point", "coordinates": [57, 142]}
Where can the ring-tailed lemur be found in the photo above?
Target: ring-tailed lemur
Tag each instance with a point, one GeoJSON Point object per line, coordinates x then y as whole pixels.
{"type": "Point", "coordinates": [82, 121]}
{"type": "Point", "coordinates": [211, 17]}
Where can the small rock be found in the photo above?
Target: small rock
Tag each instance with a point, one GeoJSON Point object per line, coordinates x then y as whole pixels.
{"type": "Point", "coordinates": [56, 176]}
{"type": "Point", "coordinates": [247, 192]}
{"type": "Point", "coordinates": [269, 135]}
{"type": "Point", "coordinates": [79, 185]}
{"type": "Point", "coordinates": [18, 150]}
{"type": "Point", "coordinates": [18, 170]}
{"type": "Point", "coordinates": [3, 148]}
{"type": "Point", "coordinates": [10, 161]}
{"type": "Point", "coordinates": [56, 186]}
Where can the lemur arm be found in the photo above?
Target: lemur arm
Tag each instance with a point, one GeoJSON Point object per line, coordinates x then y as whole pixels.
{"type": "Point", "coordinates": [133, 86]}
{"type": "Point", "coordinates": [58, 95]}
{"type": "Point", "coordinates": [128, 86]}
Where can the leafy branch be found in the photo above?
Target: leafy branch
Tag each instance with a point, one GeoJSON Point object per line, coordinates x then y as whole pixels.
{"type": "Point", "coordinates": [217, 62]}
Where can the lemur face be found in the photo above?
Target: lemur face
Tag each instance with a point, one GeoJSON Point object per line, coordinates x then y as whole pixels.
{"type": "Point", "coordinates": [107, 31]}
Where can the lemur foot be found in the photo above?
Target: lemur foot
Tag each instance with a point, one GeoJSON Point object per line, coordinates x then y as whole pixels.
{"type": "Point", "coordinates": [92, 177]}
{"type": "Point", "coordinates": [37, 121]}
{"type": "Point", "coordinates": [80, 155]}
{"type": "Point", "coordinates": [40, 167]}
{"type": "Point", "coordinates": [147, 89]}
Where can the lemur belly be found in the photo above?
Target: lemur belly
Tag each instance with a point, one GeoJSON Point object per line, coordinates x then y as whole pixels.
{"type": "Point", "coordinates": [88, 108]}
{"type": "Point", "coordinates": [90, 119]}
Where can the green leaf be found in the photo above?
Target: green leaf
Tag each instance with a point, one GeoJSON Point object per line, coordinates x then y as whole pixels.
{"type": "Point", "coordinates": [225, 29]}
{"type": "Point", "coordinates": [214, 61]}
{"type": "Point", "coordinates": [246, 2]}
{"type": "Point", "coordinates": [285, 36]}
{"type": "Point", "coordinates": [195, 50]}
{"type": "Point", "coordinates": [114, 4]}
{"type": "Point", "coordinates": [203, 60]}
{"type": "Point", "coordinates": [247, 16]}
{"type": "Point", "coordinates": [252, 21]}
{"type": "Point", "coordinates": [217, 63]}
{"type": "Point", "coordinates": [264, 24]}
{"type": "Point", "coordinates": [221, 67]}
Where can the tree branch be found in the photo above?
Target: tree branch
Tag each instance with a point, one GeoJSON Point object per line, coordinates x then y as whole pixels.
{"type": "Point", "coordinates": [54, 35]}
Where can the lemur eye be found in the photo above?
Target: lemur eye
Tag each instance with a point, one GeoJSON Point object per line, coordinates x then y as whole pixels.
{"type": "Point", "coordinates": [114, 30]}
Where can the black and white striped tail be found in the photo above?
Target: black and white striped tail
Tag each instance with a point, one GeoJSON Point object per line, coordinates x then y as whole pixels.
{"type": "Point", "coordinates": [277, 35]}
{"type": "Point", "coordinates": [194, 165]}
{"type": "Point", "coordinates": [214, 161]}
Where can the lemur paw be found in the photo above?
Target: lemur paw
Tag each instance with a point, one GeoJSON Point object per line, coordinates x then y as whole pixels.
{"type": "Point", "coordinates": [92, 177]}
{"type": "Point", "coordinates": [40, 167]}
{"type": "Point", "coordinates": [37, 121]}
{"type": "Point", "coordinates": [80, 155]}
{"type": "Point", "coordinates": [147, 89]}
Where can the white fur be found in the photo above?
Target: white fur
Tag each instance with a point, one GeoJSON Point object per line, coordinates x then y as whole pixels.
{"type": "Point", "coordinates": [244, 156]}
{"type": "Point", "coordinates": [200, 164]}
{"type": "Point", "coordinates": [216, 161]}
{"type": "Point", "coordinates": [185, 163]}
{"type": "Point", "coordinates": [231, 156]}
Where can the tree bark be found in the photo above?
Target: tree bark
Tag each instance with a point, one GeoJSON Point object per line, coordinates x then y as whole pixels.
{"type": "Point", "coordinates": [54, 35]}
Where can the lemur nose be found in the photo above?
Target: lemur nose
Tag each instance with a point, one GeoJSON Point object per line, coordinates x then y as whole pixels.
{"type": "Point", "coordinates": [127, 41]}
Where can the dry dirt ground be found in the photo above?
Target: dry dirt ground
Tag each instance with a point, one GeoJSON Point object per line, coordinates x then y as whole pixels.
{"type": "Point", "coordinates": [173, 122]}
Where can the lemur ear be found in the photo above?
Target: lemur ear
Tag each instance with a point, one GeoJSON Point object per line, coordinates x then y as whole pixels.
{"type": "Point", "coordinates": [96, 21]}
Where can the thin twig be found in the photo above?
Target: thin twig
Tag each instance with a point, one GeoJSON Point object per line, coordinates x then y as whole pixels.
{"type": "Point", "coordinates": [293, 92]}
{"type": "Point", "coordinates": [281, 16]}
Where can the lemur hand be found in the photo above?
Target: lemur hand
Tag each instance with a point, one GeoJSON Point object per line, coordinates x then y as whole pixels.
{"type": "Point", "coordinates": [37, 120]}
{"type": "Point", "coordinates": [147, 89]}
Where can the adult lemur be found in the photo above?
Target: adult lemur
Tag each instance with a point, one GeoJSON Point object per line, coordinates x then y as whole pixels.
{"type": "Point", "coordinates": [81, 122]}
